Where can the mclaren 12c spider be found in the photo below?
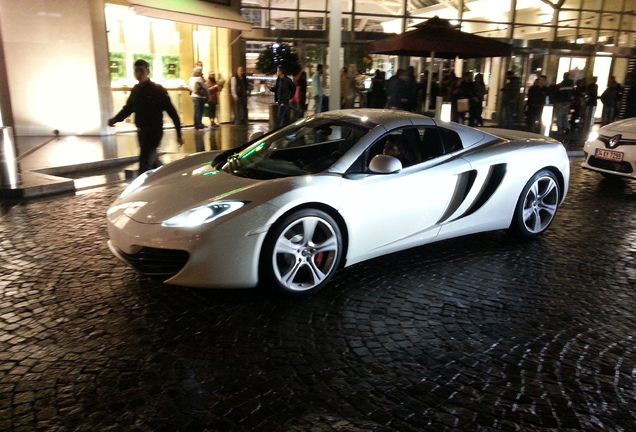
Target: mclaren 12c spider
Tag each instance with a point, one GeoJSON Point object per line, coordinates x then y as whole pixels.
{"type": "Point", "coordinates": [291, 207]}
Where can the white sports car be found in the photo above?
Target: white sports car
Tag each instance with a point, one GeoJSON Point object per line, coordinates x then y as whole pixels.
{"type": "Point", "coordinates": [291, 207]}
{"type": "Point", "coordinates": [612, 150]}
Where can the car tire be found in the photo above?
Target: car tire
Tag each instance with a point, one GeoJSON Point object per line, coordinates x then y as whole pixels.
{"type": "Point", "coordinates": [537, 205]}
{"type": "Point", "coordinates": [301, 252]}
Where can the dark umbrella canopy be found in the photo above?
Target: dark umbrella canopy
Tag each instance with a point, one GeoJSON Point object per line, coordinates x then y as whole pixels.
{"type": "Point", "coordinates": [438, 37]}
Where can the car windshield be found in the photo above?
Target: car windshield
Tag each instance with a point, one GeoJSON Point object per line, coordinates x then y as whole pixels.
{"type": "Point", "coordinates": [305, 147]}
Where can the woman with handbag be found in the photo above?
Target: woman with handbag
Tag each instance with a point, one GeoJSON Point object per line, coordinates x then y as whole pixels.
{"type": "Point", "coordinates": [199, 94]}
{"type": "Point", "coordinates": [213, 99]}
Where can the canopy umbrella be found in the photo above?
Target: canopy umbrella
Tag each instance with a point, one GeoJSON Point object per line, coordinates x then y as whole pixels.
{"type": "Point", "coordinates": [438, 38]}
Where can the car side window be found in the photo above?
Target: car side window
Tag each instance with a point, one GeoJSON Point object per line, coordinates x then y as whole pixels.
{"type": "Point", "coordinates": [437, 141]}
{"type": "Point", "coordinates": [401, 144]}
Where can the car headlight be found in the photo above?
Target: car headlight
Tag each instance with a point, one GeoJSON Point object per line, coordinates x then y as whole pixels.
{"type": "Point", "coordinates": [136, 183]}
{"type": "Point", "coordinates": [593, 135]}
{"type": "Point", "coordinates": [204, 214]}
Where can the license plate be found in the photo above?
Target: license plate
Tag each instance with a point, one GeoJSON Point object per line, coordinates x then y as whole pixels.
{"type": "Point", "coordinates": [609, 155]}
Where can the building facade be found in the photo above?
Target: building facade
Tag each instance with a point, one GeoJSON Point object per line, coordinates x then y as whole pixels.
{"type": "Point", "coordinates": [67, 64]}
{"type": "Point", "coordinates": [549, 37]}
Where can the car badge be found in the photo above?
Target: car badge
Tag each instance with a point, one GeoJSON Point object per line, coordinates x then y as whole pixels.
{"type": "Point", "coordinates": [614, 141]}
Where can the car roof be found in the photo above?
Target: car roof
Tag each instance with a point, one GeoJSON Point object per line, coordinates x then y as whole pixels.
{"type": "Point", "coordinates": [392, 119]}
{"type": "Point", "coordinates": [378, 116]}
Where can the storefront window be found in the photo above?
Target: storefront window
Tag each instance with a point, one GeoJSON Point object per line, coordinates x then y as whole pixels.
{"type": "Point", "coordinates": [319, 5]}
{"type": "Point", "coordinates": [256, 17]}
{"type": "Point", "coordinates": [592, 5]}
{"type": "Point", "coordinates": [492, 30]}
{"type": "Point", "coordinates": [391, 8]}
{"type": "Point", "coordinates": [283, 20]}
{"type": "Point", "coordinates": [567, 26]}
{"type": "Point", "coordinates": [615, 5]}
{"type": "Point", "coordinates": [171, 48]}
{"type": "Point", "coordinates": [369, 23]}
{"type": "Point", "coordinates": [312, 21]}
{"type": "Point", "coordinates": [132, 37]}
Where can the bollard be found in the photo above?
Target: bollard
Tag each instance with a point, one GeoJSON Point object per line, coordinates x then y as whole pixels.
{"type": "Point", "coordinates": [546, 120]}
{"type": "Point", "coordinates": [8, 162]}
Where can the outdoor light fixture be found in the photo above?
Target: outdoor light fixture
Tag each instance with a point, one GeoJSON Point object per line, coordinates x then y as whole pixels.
{"type": "Point", "coordinates": [8, 161]}
{"type": "Point", "coordinates": [445, 114]}
{"type": "Point", "coordinates": [546, 119]}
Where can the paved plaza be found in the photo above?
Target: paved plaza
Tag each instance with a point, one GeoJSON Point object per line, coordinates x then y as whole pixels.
{"type": "Point", "coordinates": [482, 333]}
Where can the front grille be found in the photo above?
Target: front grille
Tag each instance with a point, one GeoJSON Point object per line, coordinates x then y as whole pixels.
{"type": "Point", "coordinates": [160, 263]}
{"type": "Point", "coordinates": [621, 167]}
{"type": "Point", "coordinates": [621, 142]}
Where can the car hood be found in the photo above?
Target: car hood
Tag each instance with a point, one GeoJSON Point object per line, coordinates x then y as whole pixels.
{"type": "Point", "coordinates": [626, 127]}
{"type": "Point", "coordinates": [166, 196]}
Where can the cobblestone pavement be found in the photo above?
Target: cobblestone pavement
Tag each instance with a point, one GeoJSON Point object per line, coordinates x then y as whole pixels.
{"type": "Point", "coordinates": [483, 333]}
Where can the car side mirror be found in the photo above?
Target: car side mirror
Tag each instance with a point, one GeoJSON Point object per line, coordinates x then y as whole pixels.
{"type": "Point", "coordinates": [256, 135]}
{"type": "Point", "coordinates": [384, 164]}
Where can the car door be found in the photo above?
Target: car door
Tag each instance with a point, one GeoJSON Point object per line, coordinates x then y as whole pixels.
{"type": "Point", "coordinates": [390, 212]}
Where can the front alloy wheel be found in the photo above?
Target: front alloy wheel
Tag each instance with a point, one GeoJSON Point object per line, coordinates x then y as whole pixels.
{"type": "Point", "coordinates": [302, 252]}
{"type": "Point", "coordinates": [537, 205]}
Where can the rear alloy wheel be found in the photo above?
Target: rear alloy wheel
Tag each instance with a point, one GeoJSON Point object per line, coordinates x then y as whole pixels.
{"type": "Point", "coordinates": [302, 252]}
{"type": "Point", "coordinates": [537, 205]}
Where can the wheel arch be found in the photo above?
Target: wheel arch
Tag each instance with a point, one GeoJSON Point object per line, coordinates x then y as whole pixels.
{"type": "Point", "coordinates": [559, 176]}
{"type": "Point", "coordinates": [344, 230]}
{"type": "Point", "coordinates": [561, 186]}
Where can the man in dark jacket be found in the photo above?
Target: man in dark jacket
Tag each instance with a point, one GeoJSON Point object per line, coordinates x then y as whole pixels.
{"type": "Point", "coordinates": [562, 101]}
{"type": "Point", "coordinates": [534, 105]}
{"type": "Point", "coordinates": [148, 101]}
{"type": "Point", "coordinates": [283, 92]}
{"type": "Point", "coordinates": [591, 101]}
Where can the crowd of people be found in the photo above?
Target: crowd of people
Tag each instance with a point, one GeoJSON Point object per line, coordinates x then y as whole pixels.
{"type": "Point", "coordinates": [405, 92]}
{"type": "Point", "coordinates": [574, 102]}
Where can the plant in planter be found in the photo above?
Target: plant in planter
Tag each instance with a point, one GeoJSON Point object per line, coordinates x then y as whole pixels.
{"type": "Point", "coordinates": [278, 54]}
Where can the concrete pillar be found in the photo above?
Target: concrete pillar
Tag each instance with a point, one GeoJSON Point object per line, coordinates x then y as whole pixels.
{"type": "Point", "coordinates": [335, 42]}
{"type": "Point", "coordinates": [493, 88]}
{"type": "Point", "coordinates": [8, 164]}
{"type": "Point", "coordinates": [8, 161]}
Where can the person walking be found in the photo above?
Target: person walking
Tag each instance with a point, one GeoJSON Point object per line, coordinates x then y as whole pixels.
{"type": "Point", "coordinates": [534, 105]}
{"type": "Point", "coordinates": [397, 91]}
{"type": "Point", "coordinates": [239, 88]}
{"type": "Point", "coordinates": [318, 89]}
{"type": "Point", "coordinates": [591, 102]}
{"type": "Point", "coordinates": [299, 101]}
{"type": "Point", "coordinates": [412, 89]}
{"type": "Point", "coordinates": [283, 92]}
{"type": "Point", "coordinates": [199, 94]}
{"type": "Point", "coordinates": [378, 90]}
{"type": "Point", "coordinates": [630, 103]}
{"type": "Point", "coordinates": [343, 87]}
{"type": "Point", "coordinates": [511, 98]}
{"type": "Point", "coordinates": [610, 98]}
{"type": "Point", "coordinates": [562, 101]}
{"type": "Point", "coordinates": [148, 101]}
{"type": "Point", "coordinates": [477, 101]}
{"type": "Point", "coordinates": [465, 91]}
{"type": "Point", "coordinates": [213, 99]}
